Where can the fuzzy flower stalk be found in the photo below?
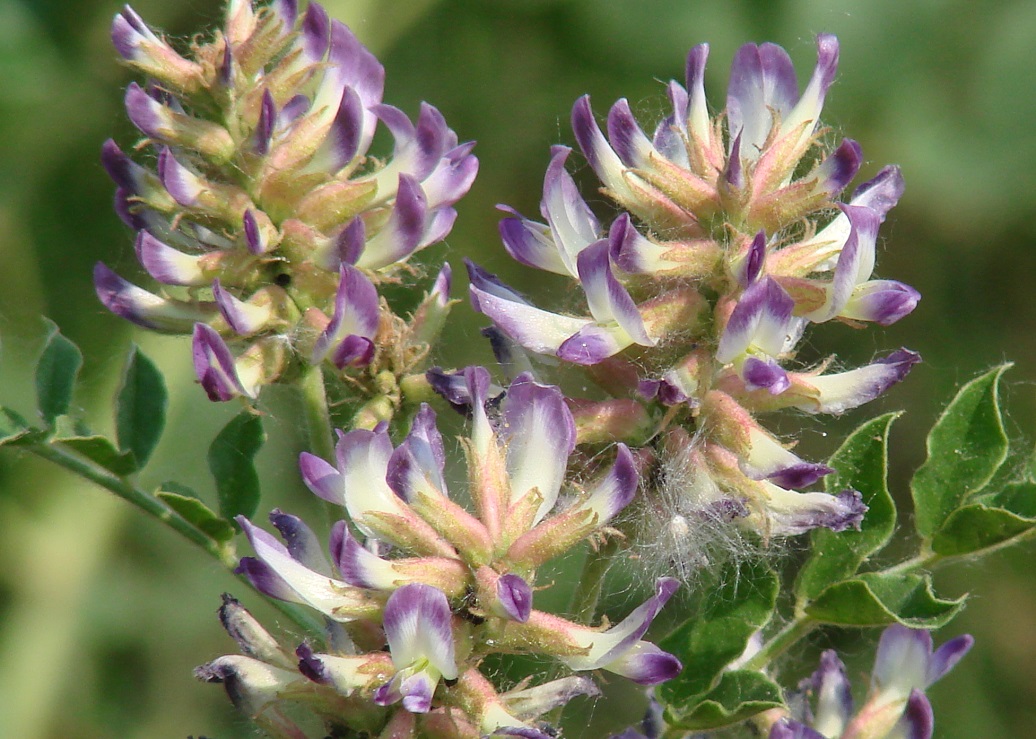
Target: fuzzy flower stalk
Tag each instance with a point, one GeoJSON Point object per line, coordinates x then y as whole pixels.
{"type": "Point", "coordinates": [733, 238]}
{"type": "Point", "coordinates": [259, 209]}
{"type": "Point", "coordinates": [444, 586]}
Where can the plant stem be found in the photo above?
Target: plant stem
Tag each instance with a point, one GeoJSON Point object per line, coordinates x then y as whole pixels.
{"type": "Point", "coordinates": [588, 591]}
{"type": "Point", "coordinates": [784, 639]}
{"type": "Point", "coordinates": [317, 415]}
{"type": "Point", "coordinates": [225, 555]}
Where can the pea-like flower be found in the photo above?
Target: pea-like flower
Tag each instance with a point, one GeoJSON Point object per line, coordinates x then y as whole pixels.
{"type": "Point", "coordinates": [896, 707]}
{"type": "Point", "coordinates": [261, 212]}
{"type": "Point", "coordinates": [445, 585]}
{"type": "Point", "coordinates": [731, 243]}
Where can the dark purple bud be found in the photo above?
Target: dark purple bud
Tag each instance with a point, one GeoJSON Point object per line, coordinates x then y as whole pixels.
{"type": "Point", "coordinates": [263, 134]}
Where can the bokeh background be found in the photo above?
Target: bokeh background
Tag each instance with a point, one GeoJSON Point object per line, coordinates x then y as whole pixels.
{"type": "Point", "coordinates": [103, 613]}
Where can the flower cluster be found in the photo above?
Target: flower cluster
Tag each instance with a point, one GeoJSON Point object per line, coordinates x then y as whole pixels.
{"type": "Point", "coordinates": [263, 215]}
{"type": "Point", "coordinates": [732, 241]}
{"type": "Point", "coordinates": [896, 706]}
{"type": "Point", "coordinates": [442, 586]}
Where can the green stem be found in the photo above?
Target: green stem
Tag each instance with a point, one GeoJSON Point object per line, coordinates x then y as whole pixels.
{"type": "Point", "coordinates": [225, 555]}
{"type": "Point", "coordinates": [783, 640]}
{"type": "Point", "coordinates": [317, 414]}
{"type": "Point", "coordinates": [588, 591]}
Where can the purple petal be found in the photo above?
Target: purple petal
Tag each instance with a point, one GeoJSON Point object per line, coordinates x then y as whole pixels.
{"type": "Point", "coordinates": [573, 225]}
{"type": "Point", "coordinates": [761, 317]}
{"type": "Point", "coordinates": [947, 656]}
{"type": "Point", "coordinates": [123, 171]}
{"type": "Point", "coordinates": [357, 565]}
{"type": "Point", "coordinates": [347, 338]}
{"type": "Point", "coordinates": [762, 78]}
{"type": "Point", "coordinates": [845, 390]}
{"type": "Point", "coordinates": [347, 130]}
{"type": "Point", "coordinates": [253, 234]}
{"type": "Point", "coordinates": [146, 113]}
{"type": "Point", "coordinates": [537, 330]}
{"type": "Point", "coordinates": [616, 489]}
{"type": "Point", "coordinates": [462, 390]}
{"type": "Point", "coordinates": [127, 31]}
{"type": "Point", "coordinates": [515, 596]}
{"type": "Point", "coordinates": [169, 265]}
{"type": "Point", "coordinates": [608, 299]}
{"type": "Point", "coordinates": [143, 308]}
{"type": "Point", "coordinates": [540, 436]}
{"type": "Point", "coordinates": [416, 466]}
{"type": "Point", "coordinates": [918, 720]}
{"type": "Point", "coordinates": [881, 193]}
{"type": "Point", "coordinates": [753, 262]}
{"type": "Point", "coordinates": [452, 177]}
{"type": "Point", "coordinates": [603, 160]}
{"type": "Point", "coordinates": [791, 513]}
{"type": "Point", "coordinates": [418, 626]}
{"type": "Point", "coordinates": [786, 728]}
{"type": "Point", "coordinates": [311, 666]}
{"type": "Point", "coordinates": [697, 110]}
{"type": "Point", "coordinates": [352, 240]}
{"type": "Point", "coordinates": [400, 237]}
{"type": "Point", "coordinates": [265, 580]}
{"type": "Point", "coordinates": [840, 167]}
{"type": "Point", "coordinates": [881, 301]}
{"type": "Point", "coordinates": [646, 664]}
{"type": "Point", "coordinates": [302, 543]}
{"type": "Point", "coordinates": [214, 366]}
{"type": "Point", "coordinates": [316, 32]}
{"type": "Point", "coordinates": [627, 139]}
{"type": "Point", "coordinates": [831, 688]}
{"type": "Point", "coordinates": [765, 374]}
{"type": "Point", "coordinates": [263, 134]}
{"type": "Point", "coordinates": [799, 475]}
{"type": "Point", "coordinates": [322, 478]}
{"type": "Point", "coordinates": [184, 186]}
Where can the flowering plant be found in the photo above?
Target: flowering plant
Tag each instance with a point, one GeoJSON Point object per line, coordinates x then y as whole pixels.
{"type": "Point", "coordinates": [274, 232]}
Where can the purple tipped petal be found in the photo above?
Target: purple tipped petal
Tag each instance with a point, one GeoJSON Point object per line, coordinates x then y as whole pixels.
{"type": "Point", "coordinates": [357, 565]}
{"type": "Point", "coordinates": [515, 596]}
{"type": "Point", "coordinates": [127, 31]}
{"type": "Point", "coordinates": [761, 318]}
{"type": "Point", "coordinates": [734, 174]}
{"type": "Point", "coordinates": [947, 656]}
{"type": "Point", "coordinates": [347, 130]}
{"type": "Point", "coordinates": [311, 666]}
{"type": "Point", "coordinates": [616, 489]}
{"type": "Point", "coordinates": [531, 244]}
{"type": "Point", "coordinates": [352, 240]}
{"type": "Point", "coordinates": [762, 78]}
{"type": "Point", "coordinates": [124, 172]}
{"type": "Point", "coordinates": [753, 262]}
{"type": "Point", "coordinates": [800, 475]}
{"type": "Point", "coordinates": [347, 338]}
{"type": "Point", "coordinates": [416, 466]}
{"type": "Point", "coordinates": [845, 390]}
{"type": "Point", "coordinates": [182, 184]}
{"type": "Point", "coordinates": [322, 478]}
{"type": "Point", "coordinates": [146, 113]}
{"type": "Point", "coordinates": [316, 32]}
{"type": "Point", "coordinates": [918, 720]}
{"type": "Point", "coordinates": [400, 237]}
{"type": "Point", "coordinates": [264, 128]}
{"type": "Point", "coordinates": [214, 366]}
{"type": "Point", "coordinates": [627, 139]}
{"type": "Point", "coordinates": [881, 193]}
{"type": "Point", "coordinates": [417, 624]}
{"type": "Point", "coordinates": [253, 235]}
{"type": "Point", "coordinates": [168, 265]}
{"type": "Point", "coordinates": [603, 160]}
{"type": "Point", "coordinates": [646, 664]}
{"type": "Point", "coordinates": [765, 374]}
{"type": "Point", "coordinates": [302, 543]}
{"type": "Point", "coordinates": [832, 692]}
{"type": "Point", "coordinates": [881, 301]}
{"type": "Point", "coordinates": [462, 390]}
{"type": "Point", "coordinates": [540, 434]}
{"type": "Point", "coordinates": [265, 580]}
{"type": "Point", "coordinates": [608, 299]}
{"type": "Point", "coordinates": [794, 513]}
{"type": "Point", "coordinates": [142, 307]}
{"type": "Point", "coordinates": [537, 330]}
{"type": "Point", "coordinates": [840, 167]}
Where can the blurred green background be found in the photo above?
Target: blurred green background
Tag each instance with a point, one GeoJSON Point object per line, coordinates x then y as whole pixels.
{"type": "Point", "coordinates": [104, 613]}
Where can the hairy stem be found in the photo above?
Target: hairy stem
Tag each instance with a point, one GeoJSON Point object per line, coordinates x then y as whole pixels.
{"type": "Point", "coordinates": [583, 606]}
{"type": "Point", "coordinates": [780, 642]}
{"type": "Point", "coordinates": [318, 416]}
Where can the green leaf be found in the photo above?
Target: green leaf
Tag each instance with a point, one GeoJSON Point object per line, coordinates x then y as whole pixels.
{"type": "Point", "coordinates": [739, 604]}
{"type": "Point", "coordinates": [56, 373]}
{"type": "Point", "coordinates": [185, 502]}
{"type": "Point", "coordinates": [861, 463]}
{"type": "Point", "coordinates": [13, 428]}
{"type": "Point", "coordinates": [231, 456]}
{"type": "Point", "coordinates": [740, 694]}
{"type": "Point", "coordinates": [140, 407]}
{"type": "Point", "coordinates": [877, 599]}
{"type": "Point", "coordinates": [99, 449]}
{"type": "Point", "coordinates": [980, 526]}
{"type": "Point", "coordinates": [966, 447]}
